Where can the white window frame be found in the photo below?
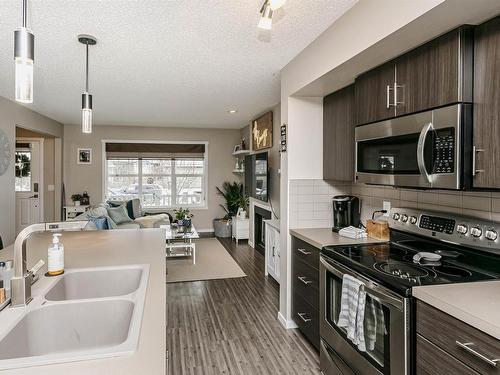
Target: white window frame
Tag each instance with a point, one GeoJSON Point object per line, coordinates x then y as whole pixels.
{"type": "Point", "coordinates": [203, 206]}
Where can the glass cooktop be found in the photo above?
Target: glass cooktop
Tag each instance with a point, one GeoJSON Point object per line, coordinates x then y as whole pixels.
{"type": "Point", "coordinates": [392, 265]}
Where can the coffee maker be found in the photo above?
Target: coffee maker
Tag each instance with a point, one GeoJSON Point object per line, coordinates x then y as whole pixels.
{"type": "Point", "coordinates": [346, 212]}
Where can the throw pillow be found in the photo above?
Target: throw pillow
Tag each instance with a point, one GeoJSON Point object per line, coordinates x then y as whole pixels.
{"type": "Point", "coordinates": [119, 214]}
{"type": "Point", "coordinates": [100, 222]}
{"type": "Point", "coordinates": [133, 207]}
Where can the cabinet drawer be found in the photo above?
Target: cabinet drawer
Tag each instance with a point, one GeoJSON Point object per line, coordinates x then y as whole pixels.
{"type": "Point", "coordinates": [307, 318]}
{"type": "Point", "coordinates": [432, 360]}
{"type": "Point", "coordinates": [306, 282]}
{"type": "Point", "coordinates": [450, 334]}
{"type": "Point", "coordinates": [306, 253]}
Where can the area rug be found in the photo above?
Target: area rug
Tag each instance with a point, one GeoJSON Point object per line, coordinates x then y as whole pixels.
{"type": "Point", "coordinates": [212, 262]}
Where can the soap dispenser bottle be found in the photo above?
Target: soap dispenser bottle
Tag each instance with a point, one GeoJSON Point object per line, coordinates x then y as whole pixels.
{"type": "Point", "coordinates": [55, 256]}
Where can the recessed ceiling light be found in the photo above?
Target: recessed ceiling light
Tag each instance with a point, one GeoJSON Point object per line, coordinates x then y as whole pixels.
{"type": "Point", "coordinates": [275, 4]}
{"type": "Point", "coordinates": [232, 111]}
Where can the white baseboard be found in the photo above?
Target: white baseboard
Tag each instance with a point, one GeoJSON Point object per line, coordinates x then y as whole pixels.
{"type": "Point", "coordinates": [250, 243]}
{"type": "Point", "coordinates": [288, 324]}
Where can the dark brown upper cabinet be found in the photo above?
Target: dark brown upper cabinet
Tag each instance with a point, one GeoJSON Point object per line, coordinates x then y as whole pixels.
{"type": "Point", "coordinates": [374, 94]}
{"type": "Point", "coordinates": [486, 163]}
{"type": "Point", "coordinates": [435, 74]}
{"type": "Point", "coordinates": [338, 135]}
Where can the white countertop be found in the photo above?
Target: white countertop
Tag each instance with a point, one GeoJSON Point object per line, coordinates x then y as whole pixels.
{"type": "Point", "coordinates": [477, 304]}
{"type": "Point", "coordinates": [110, 248]}
{"type": "Point", "coordinates": [321, 237]}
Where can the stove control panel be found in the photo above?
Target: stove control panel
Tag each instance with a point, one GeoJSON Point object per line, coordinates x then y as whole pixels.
{"type": "Point", "coordinates": [437, 224]}
{"type": "Point", "coordinates": [469, 231]}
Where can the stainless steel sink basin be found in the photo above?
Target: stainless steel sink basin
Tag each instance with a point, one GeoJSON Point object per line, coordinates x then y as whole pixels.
{"type": "Point", "coordinates": [86, 314]}
{"type": "Point", "coordinates": [68, 327]}
{"type": "Point", "coordinates": [95, 283]}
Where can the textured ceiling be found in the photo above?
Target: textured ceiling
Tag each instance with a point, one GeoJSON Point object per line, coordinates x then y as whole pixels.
{"type": "Point", "coordinates": [161, 63]}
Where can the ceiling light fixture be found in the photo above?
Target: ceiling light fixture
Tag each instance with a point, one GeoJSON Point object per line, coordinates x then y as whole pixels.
{"type": "Point", "coordinates": [276, 4]}
{"type": "Point", "coordinates": [232, 111]}
{"type": "Point", "coordinates": [88, 40]}
{"type": "Point", "coordinates": [24, 56]}
{"type": "Point", "coordinates": [266, 16]}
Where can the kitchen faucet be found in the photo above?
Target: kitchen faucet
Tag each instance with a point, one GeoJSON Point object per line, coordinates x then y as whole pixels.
{"type": "Point", "coordinates": [23, 278]}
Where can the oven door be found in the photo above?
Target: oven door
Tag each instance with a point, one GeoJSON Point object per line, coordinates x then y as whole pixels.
{"type": "Point", "coordinates": [386, 325]}
{"type": "Point", "coordinates": [422, 150]}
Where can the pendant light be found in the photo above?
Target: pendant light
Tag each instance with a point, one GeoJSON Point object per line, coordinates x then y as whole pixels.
{"type": "Point", "coordinates": [266, 16]}
{"type": "Point", "coordinates": [24, 56]}
{"type": "Point", "coordinates": [88, 40]}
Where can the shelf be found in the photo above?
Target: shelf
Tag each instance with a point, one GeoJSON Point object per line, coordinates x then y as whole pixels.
{"type": "Point", "coordinates": [241, 152]}
{"type": "Point", "coordinates": [238, 171]}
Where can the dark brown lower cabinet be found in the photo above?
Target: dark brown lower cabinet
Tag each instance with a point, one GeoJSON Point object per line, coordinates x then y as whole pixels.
{"type": "Point", "coordinates": [305, 289]}
{"type": "Point", "coordinates": [446, 345]}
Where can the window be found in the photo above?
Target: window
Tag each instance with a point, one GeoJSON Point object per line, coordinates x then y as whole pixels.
{"type": "Point", "coordinates": [159, 181]}
{"type": "Point", "coordinates": [23, 170]}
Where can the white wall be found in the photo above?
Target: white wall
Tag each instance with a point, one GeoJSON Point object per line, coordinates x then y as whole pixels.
{"type": "Point", "coordinates": [305, 137]}
{"type": "Point", "coordinates": [12, 115]}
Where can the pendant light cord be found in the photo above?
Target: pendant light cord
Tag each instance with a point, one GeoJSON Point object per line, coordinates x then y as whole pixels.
{"type": "Point", "coordinates": [25, 13]}
{"type": "Point", "coordinates": [87, 69]}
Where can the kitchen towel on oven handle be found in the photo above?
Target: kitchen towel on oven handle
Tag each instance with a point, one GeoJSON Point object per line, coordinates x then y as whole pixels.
{"type": "Point", "coordinates": [352, 310]}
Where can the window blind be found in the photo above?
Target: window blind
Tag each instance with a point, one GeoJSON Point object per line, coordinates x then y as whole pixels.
{"type": "Point", "coordinates": [154, 150]}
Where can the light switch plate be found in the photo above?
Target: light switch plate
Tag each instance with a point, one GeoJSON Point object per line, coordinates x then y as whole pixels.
{"type": "Point", "coordinates": [387, 207]}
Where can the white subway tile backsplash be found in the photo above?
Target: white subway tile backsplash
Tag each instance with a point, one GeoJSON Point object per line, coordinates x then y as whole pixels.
{"type": "Point", "coordinates": [311, 206]}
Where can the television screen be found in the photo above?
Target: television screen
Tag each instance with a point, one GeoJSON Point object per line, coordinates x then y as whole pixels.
{"type": "Point", "coordinates": [257, 176]}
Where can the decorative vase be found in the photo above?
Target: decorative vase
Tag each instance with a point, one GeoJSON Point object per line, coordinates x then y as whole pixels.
{"type": "Point", "coordinates": [77, 203]}
{"type": "Point", "coordinates": [186, 222]}
{"type": "Point", "coordinates": [242, 214]}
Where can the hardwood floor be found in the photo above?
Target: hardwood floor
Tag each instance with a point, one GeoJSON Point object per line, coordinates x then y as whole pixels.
{"type": "Point", "coordinates": [230, 326]}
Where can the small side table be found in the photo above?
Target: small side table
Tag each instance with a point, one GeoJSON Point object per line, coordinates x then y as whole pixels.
{"type": "Point", "coordinates": [240, 228]}
{"type": "Point", "coordinates": [70, 212]}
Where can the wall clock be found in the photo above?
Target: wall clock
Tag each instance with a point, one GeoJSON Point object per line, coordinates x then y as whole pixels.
{"type": "Point", "coordinates": [5, 152]}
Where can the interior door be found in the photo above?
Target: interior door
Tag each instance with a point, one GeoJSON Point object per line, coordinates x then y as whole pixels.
{"type": "Point", "coordinates": [28, 175]}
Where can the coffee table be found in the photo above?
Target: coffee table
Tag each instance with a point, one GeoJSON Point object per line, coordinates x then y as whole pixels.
{"type": "Point", "coordinates": [180, 244]}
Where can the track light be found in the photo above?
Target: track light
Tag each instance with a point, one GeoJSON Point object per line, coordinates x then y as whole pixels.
{"type": "Point", "coordinates": [88, 40]}
{"type": "Point", "coordinates": [24, 56]}
{"type": "Point", "coordinates": [266, 17]}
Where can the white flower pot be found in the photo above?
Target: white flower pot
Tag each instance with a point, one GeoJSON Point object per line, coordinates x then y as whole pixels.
{"type": "Point", "coordinates": [77, 203]}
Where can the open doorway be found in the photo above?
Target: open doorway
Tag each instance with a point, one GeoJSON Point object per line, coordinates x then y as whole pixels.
{"type": "Point", "coordinates": [29, 180]}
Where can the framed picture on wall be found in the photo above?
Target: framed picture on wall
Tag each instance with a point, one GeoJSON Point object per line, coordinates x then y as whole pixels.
{"type": "Point", "coordinates": [262, 132]}
{"type": "Point", "coordinates": [84, 156]}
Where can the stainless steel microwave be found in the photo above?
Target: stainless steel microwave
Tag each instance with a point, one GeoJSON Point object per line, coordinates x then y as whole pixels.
{"type": "Point", "coordinates": [430, 149]}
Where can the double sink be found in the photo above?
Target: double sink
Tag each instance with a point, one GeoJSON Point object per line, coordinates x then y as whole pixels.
{"type": "Point", "coordinates": [83, 314]}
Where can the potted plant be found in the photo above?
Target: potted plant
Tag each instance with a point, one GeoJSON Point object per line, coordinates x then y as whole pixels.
{"type": "Point", "coordinates": [76, 198]}
{"type": "Point", "coordinates": [243, 206]}
{"type": "Point", "coordinates": [183, 217]}
{"type": "Point", "coordinates": [232, 193]}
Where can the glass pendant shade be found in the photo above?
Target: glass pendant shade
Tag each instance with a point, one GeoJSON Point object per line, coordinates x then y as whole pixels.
{"type": "Point", "coordinates": [24, 51]}
{"type": "Point", "coordinates": [86, 113]}
{"type": "Point", "coordinates": [24, 80]}
{"type": "Point", "coordinates": [86, 121]}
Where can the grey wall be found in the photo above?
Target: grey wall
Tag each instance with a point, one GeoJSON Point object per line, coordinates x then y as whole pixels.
{"type": "Point", "coordinates": [79, 178]}
{"type": "Point", "coordinates": [12, 115]}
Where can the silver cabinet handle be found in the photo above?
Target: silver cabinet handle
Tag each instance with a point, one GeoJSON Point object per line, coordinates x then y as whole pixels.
{"type": "Point", "coordinates": [475, 150]}
{"type": "Point", "coordinates": [301, 316]}
{"type": "Point", "coordinates": [396, 87]}
{"type": "Point", "coordinates": [303, 251]}
{"type": "Point", "coordinates": [388, 96]}
{"type": "Point", "coordinates": [303, 279]}
{"type": "Point", "coordinates": [467, 347]}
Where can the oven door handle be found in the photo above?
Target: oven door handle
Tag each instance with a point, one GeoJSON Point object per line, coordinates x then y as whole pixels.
{"type": "Point", "coordinates": [421, 151]}
{"type": "Point", "coordinates": [369, 287]}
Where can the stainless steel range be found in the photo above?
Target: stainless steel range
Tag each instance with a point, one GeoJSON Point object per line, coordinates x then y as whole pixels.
{"type": "Point", "coordinates": [469, 251]}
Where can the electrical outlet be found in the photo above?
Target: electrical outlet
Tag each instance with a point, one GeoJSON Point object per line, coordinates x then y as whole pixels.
{"type": "Point", "coordinates": [387, 207]}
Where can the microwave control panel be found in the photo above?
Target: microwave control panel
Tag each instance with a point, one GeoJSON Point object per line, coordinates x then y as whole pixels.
{"type": "Point", "coordinates": [444, 151]}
